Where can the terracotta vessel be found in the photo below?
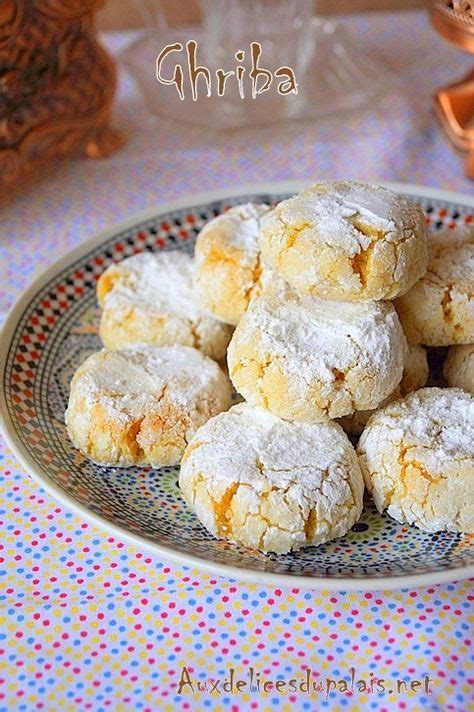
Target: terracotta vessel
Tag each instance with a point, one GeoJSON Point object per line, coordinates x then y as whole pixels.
{"type": "Point", "coordinates": [454, 104]}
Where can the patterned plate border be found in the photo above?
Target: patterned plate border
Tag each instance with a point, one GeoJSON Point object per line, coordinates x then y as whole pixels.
{"type": "Point", "coordinates": [452, 201]}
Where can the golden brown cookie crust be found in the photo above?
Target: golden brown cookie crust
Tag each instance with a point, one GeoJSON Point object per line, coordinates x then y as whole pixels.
{"type": "Point", "coordinates": [308, 359]}
{"type": "Point", "coordinates": [417, 458]}
{"type": "Point", "coordinates": [415, 375]}
{"type": "Point", "coordinates": [269, 484]}
{"type": "Point", "coordinates": [439, 309]}
{"type": "Point", "coordinates": [458, 368]}
{"type": "Point", "coordinates": [141, 406]}
{"type": "Point", "coordinates": [151, 298]}
{"type": "Point", "coordinates": [346, 241]}
{"type": "Point", "coordinates": [227, 261]}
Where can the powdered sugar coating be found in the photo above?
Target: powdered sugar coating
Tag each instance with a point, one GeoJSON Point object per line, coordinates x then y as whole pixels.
{"type": "Point", "coordinates": [151, 298]}
{"type": "Point", "coordinates": [227, 261]}
{"type": "Point", "coordinates": [271, 484]}
{"type": "Point", "coordinates": [141, 405]}
{"type": "Point", "coordinates": [348, 241]}
{"type": "Point", "coordinates": [241, 225]}
{"type": "Point", "coordinates": [415, 375]}
{"type": "Point", "coordinates": [417, 457]}
{"type": "Point", "coordinates": [451, 237]}
{"type": "Point", "coordinates": [439, 309]}
{"type": "Point", "coordinates": [306, 358]}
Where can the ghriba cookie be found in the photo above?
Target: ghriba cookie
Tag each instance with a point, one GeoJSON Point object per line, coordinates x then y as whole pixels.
{"type": "Point", "coordinates": [439, 309]}
{"type": "Point", "coordinates": [347, 241]}
{"type": "Point", "coordinates": [142, 405]}
{"type": "Point", "coordinates": [415, 375]}
{"type": "Point", "coordinates": [227, 261]}
{"type": "Point", "coordinates": [308, 359]}
{"type": "Point", "coordinates": [458, 368]}
{"type": "Point", "coordinates": [269, 484]}
{"type": "Point", "coordinates": [417, 457]}
{"type": "Point", "coordinates": [151, 298]}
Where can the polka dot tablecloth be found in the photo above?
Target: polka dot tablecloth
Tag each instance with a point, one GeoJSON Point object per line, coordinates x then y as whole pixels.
{"type": "Point", "coordinates": [91, 623]}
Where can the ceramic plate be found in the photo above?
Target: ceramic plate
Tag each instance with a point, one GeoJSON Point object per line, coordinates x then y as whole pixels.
{"type": "Point", "coordinates": [53, 328]}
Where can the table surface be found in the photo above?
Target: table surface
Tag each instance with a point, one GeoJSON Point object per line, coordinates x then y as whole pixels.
{"type": "Point", "coordinates": [92, 623]}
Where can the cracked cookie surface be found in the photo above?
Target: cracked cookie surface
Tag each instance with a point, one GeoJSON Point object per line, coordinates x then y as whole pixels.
{"type": "Point", "coordinates": [415, 375]}
{"type": "Point", "coordinates": [151, 298]}
{"type": "Point", "coordinates": [417, 458]}
{"type": "Point", "coordinates": [346, 241]}
{"type": "Point", "coordinates": [142, 405]}
{"type": "Point", "coordinates": [439, 309]}
{"type": "Point", "coordinates": [309, 359]}
{"type": "Point", "coordinates": [228, 267]}
{"type": "Point", "coordinates": [270, 484]}
{"type": "Point", "coordinates": [458, 368]}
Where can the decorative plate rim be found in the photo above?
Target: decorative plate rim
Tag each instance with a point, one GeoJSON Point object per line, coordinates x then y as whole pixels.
{"type": "Point", "coordinates": [227, 570]}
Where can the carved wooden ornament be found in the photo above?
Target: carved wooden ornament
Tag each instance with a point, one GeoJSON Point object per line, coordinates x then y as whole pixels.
{"type": "Point", "coordinates": [56, 84]}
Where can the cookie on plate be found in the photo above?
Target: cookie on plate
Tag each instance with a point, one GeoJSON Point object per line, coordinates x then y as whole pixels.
{"type": "Point", "coordinates": [270, 484]}
{"type": "Point", "coordinates": [439, 309]}
{"type": "Point", "coordinates": [227, 261]}
{"type": "Point", "coordinates": [417, 458]}
{"type": "Point", "coordinates": [308, 359]}
{"type": "Point", "coordinates": [415, 375]}
{"type": "Point", "coordinates": [142, 405]}
{"type": "Point", "coordinates": [347, 241]}
{"type": "Point", "coordinates": [151, 298]}
{"type": "Point", "coordinates": [458, 368]}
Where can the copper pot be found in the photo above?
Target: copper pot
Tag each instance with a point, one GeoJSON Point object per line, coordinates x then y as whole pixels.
{"type": "Point", "coordinates": [454, 104]}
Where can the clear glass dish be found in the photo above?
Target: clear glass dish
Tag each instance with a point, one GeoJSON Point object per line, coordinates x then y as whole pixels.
{"type": "Point", "coordinates": [332, 72]}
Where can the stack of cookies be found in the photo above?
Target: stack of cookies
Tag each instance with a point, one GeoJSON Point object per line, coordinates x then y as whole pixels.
{"type": "Point", "coordinates": [318, 349]}
{"type": "Point", "coordinates": [318, 344]}
{"type": "Point", "coordinates": [140, 400]}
